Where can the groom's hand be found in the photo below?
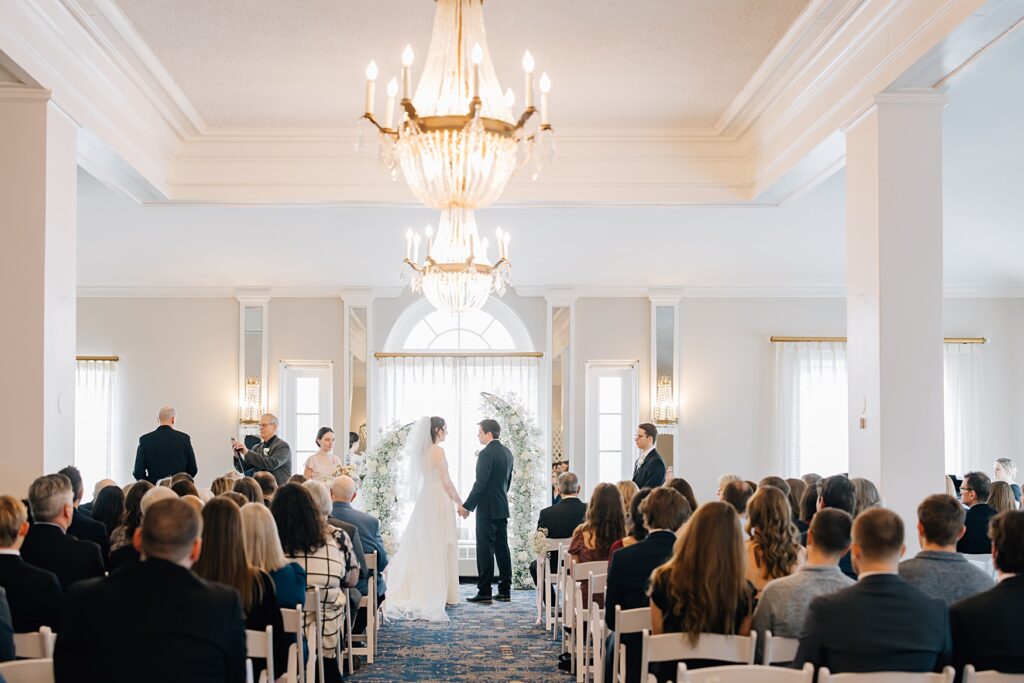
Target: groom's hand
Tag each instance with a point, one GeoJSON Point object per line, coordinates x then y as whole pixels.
{"type": "Point", "coordinates": [463, 512]}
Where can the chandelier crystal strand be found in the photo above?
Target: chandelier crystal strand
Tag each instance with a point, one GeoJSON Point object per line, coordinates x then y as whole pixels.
{"type": "Point", "coordinates": [458, 143]}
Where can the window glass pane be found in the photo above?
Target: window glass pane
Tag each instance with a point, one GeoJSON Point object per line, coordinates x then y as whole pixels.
{"type": "Point", "coordinates": [420, 337]}
{"type": "Point", "coordinates": [475, 321]}
{"type": "Point", "coordinates": [307, 395]}
{"type": "Point", "coordinates": [609, 393]}
{"type": "Point", "coordinates": [446, 341]}
{"type": "Point", "coordinates": [442, 320]}
{"type": "Point", "coordinates": [306, 427]}
{"type": "Point", "coordinates": [610, 433]}
{"type": "Point", "coordinates": [498, 337]}
{"type": "Point", "coordinates": [610, 466]}
{"type": "Point", "coordinates": [470, 341]}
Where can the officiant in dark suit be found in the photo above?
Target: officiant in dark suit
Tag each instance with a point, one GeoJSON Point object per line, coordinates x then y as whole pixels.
{"type": "Point", "coordinates": [272, 454]}
{"type": "Point", "coordinates": [649, 470]}
{"type": "Point", "coordinates": [489, 498]}
{"type": "Point", "coordinates": [164, 452]}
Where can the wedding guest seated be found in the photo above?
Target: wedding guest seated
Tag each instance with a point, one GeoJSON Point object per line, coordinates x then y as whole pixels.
{"type": "Point", "coordinates": [1000, 497]}
{"type": "Point", "coordinates": [797, 488]}
{"type": "Point", "coordinates": [224, 561]}
{"type": "Point", "coordinates": [684, 488]}
{"type": "Point", "coordinates": [974, 493]}
{"type": "Point", "coordinates": [83, 527]}
{"type": "Point", "coordinates": [297, 479]}
{"type": "Point", "coordinates": [132, 519]}
{"type": "Point", "coordinates": [627, 489]}
{"type": "Point", "coordinates": [306, 539]}
{"type": "Point", "coordinates": [603, 524]}
{"type": "Point", "coordinates": [938, 570]}
{"type": "Point", "coordinates": [724, 481]}
{"type": "Point", "coordinates": [48, 545]}
{"type": "Point", "coordinates": [663, 511]}
{"type": "Point", "coordinates": [635, 529]}
{"type": "Point", "coordinates": [811, 479]}
{"type": "Point", "coordinates": [865, 495]}
{"type": "Point", "coordinates": [130, 554]}
{"type": "Point", "coordinates": [778, 482]}
{"type": "Point", "coordinates": [986, 627]}
{"type": "Point", "coordinates": [773, 549]}
{"type": "Point", "coordinates": [267, 485]}
{"type": "Point", "coordinates": [185, 488]}
{"type": "Point", "coordinates": [221, 485]}
{"type": "Point", "coordinates": [34, 595]}
{"type": "Point", "coordinates": [881, 623]}
{"type": "Point", "coordinates": [108, 508]}
{"type": "Point", "coordinates": [782, 605]}
{"type": "Point", "coordinates": [343, 492]}
{"type": "Point", "coordinates": [195, 501]}
{"type": "Point", "coordinates": [6, 629]}
{"type": "Point", "coordinates": [154, 620]}
{"type": "Point", "coordinates": [236, 498]}
{"type": "Point", "coordinates": [1005, 469]}
{"type": "Point", "coordinates": [100, 485]}
{"type": "Point", "coordinates": [703, 587]}
{"type": "Point", "coordinates": [808, 506]}
{"type": "Point", "coordinates": [837, 492]}
{"type": "Point", "coordinates": [248, 487]}
{"type": "Point", "coordinates": [737, 494]}
{"type": "Point", "coordinates": [323, 464]}
{"type": "Point", "coordinates": [562, 518]}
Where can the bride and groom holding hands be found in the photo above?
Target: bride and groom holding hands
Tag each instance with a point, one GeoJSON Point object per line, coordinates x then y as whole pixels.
{"type": "Point", "coordinates": [424, 575]}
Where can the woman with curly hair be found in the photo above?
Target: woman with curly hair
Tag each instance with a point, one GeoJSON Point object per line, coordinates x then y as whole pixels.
{"type": "Point", "coordinates": [604, 524]}
{"type": "Point", "coordinates": [132, 520]}
{"type": "Point", "coordinates": [774, 549]}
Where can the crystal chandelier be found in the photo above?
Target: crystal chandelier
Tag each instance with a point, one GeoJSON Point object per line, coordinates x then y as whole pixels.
{"type": "Point", "coordinates": [457, 144]}
{"type": "Point", "coordinates": [665, 402]}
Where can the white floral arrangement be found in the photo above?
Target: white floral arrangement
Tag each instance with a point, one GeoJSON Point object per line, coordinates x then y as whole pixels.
{"type": "Point", "coordinates": [378, 475]}
{"type": "Point", "coordinates": [528, 491]}
{"type": "Point", "coordinates": [539, 543]}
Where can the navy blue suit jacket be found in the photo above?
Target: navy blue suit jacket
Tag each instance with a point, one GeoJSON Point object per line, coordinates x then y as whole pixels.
{"type": "Point", "coordinates": [369, 533]}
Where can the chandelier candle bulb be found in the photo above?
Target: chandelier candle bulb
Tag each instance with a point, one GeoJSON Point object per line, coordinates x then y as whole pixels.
{"type": "Point", "coordinates": [528, 66]}
{"type": "Point", "coordinates": [407, 58]}
{"type": "Point", "coordinates": [477, 56]}
{"type": "Point", "coordinates": [371, 81]}
{"type": "Point", "coordinates": [510, 98]}
{"type": "Point", "coordinates": [389, 114]}
{"type": "Point", "coordinates": [505, 240]}
{"type": "Point", "coordinates": [545, 88]}
{"type": "Point", "coordinates": [430, 239]}
{"type": "Point", "coordinates": [416, 247]}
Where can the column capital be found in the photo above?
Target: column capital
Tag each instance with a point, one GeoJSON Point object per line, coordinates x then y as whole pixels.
{"type": "Point", "coordinates": [19, 91]}
{"type": "Point", "coordinates": [907, 97]}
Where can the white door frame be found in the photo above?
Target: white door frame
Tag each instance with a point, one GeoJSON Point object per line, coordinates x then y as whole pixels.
{"type": "Point", "coordinates": [284, 366]}
{"type": "Point", "coordinates": [591, 464]}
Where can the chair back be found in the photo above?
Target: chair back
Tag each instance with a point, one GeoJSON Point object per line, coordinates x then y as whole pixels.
{"type": "Point", "coordinates": [972, 676]}
{"type": "Point", "coordinates": [35, 644]}
{"type": "Point", "coordinates": [27, 671]}
{"type": "Point", "coordinates": [552, 544]}
{"type": "Point", "coordinates": [260, 644]}
{"type": "Point", "coordinates": [371, 561]}
{"type": "Point", "coordinates": [314, 608]}
{"type": "Point", "coordinates": [745, 673]}
{"type": "Point", "coordinates": [582, 570]}
{"type": "Point", "coordinates": [824, 676]}
{"type": "Point", "coordinates": [293, 623]}
{"type": "Point", "coordinates": [668, 647]}
{"type": "Point", "coordinates": [982, 561]}
{"type": "Point", "coordinates": [626, 621]}
{"type": "Point", "coordinates": [778, 649]}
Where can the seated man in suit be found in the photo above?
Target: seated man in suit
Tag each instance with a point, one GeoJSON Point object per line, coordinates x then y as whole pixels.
{"type": "Point", "coordinates": [974, 493]}
{"type": "Point", "coordinates": [881, 623]}
{"type": "Point", "coordinates": [938, 569]}
{"type": "Point", "coordinates": [664, 511]}
{"type": "Point", "coordinates": [34, 595]}
{"type": "Point", "coordinates": [649, 470]}
{"type": "Point", "coordinates": [986, 627]}
{"type": "Point", "coordinates": [84, 527]}
{"type": "Point", "coordinates": [100, 485]}
{"type": "Point", "coordinates": [48, 545]}
{"type": "Point", "coordinates": [165, 451]}
{"type": "Point", "coordinates": [154, 620]}
{"type": "Point", "coordinates": [562, 518]}
{"type": "Point", "coordinates": [837, 492]}
{"type": "Point", "coordinates": [343, 492]}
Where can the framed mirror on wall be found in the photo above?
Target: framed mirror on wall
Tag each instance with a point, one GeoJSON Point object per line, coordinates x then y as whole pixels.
{"type": "Point", "coordinates": [356, 440]}
{"type": "Point", "coordinates": [561, 389]}
{"type": "Point", "coordinates": [665, 376]}
{"type": "Point", "coordinates": [253, 353]}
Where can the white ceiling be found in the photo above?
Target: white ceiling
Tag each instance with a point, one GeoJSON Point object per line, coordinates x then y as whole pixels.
{"type": "Point", "coordinates": [649, 63]}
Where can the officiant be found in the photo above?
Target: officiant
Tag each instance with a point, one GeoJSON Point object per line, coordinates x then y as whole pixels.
{"type": "Point", "coordinates": [272, 454]}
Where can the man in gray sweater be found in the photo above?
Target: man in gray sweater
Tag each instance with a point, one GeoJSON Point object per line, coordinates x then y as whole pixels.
{"type": "Point", "coordinates": [938, 569]}
{"type": "Point", "coordinates": [782, 606]}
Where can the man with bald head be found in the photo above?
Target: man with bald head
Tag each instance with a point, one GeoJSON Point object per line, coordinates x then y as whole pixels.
{"type": "Point", "coordinates": [154, 619]}
{"type": "Point", "coordinates": [343, 492]}
{"type": "Point", "coordinates": [164, 451]}
{"type": "Point", "coordinates": [272, 454]}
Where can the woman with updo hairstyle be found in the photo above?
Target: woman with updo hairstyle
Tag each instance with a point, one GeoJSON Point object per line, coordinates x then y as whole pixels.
{"type": "Point", "coordinates": [1005, 469]}
{"type": "Point", "coordinates": [437, 425]}
{"type": "Point", "coordinates": [774, 549]}
{"type": "Point", "coordinates": [322, 465]}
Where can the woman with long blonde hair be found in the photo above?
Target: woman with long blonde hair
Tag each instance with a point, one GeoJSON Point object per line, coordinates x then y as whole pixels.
{"type": "Point", "coordinates": [1000, 497]}
{"type": "Point", "coordinates": [774, 549]}
{"type": "Point", "coordinates": [703, 587]}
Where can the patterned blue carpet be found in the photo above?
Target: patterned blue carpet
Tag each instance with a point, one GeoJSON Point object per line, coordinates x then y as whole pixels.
{"type": "Point", "coordinates": [481, 644]}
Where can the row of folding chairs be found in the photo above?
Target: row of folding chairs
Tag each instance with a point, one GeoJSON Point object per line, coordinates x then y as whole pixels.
{"type": "Point", "coordinates": [745, 673]}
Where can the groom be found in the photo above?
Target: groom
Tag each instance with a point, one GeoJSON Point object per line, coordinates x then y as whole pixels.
{"type": "Point", "coordinates": [489, 498]}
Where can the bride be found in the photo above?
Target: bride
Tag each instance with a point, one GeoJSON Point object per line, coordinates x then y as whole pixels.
{"type": "Point", "coordinates": [424, 575]}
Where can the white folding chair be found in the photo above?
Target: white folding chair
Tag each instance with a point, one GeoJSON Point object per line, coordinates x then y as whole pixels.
{"type": "Point", "coordinates": [292, 619]}
{"type": "Point", "coordinates": [369, 603]}
{"type": "Point", "coordinates": [668, 647]}
{"type": "Point", "coordinates": [35, 644]}
{"type": "Point", "coordinates": [745, 673]}
{"type": "Point", "coordinates": [547, 582]}
{"type": "Point", "coordinates": [778, 650]}
{"type": "Point", "coordinates": [561, 579]}
{"type": "Point", "coordinates": [577, 573]}
{"type": "Point", "coordinates": [260, 644]}
{"type": "Point", "coordinates": [824, 676]}
{"type": "Point", "coordinates": [345, 650]}
{"type": "Point", "coordinates": [28, 671]}
{"type": "Point", "coordinates": [972, 676]}
{"type": "Point", "coordinates": [626, 621]}
{"type": "Point", "coordinates": [581, 617]}
{"type": "Point", "coordinates": [314, 608]}
{"type": "Point", "coordinates": [595, 640]}
{"type": "Point", "coordinates": [982, 561]}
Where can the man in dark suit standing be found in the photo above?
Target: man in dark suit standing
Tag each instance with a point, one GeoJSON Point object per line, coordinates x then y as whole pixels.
{"type": "Point", "coordinates": [664, 511]}
{"type": "Point", "coordinates": [649, 470]}
{"type": "Point", "coordinates": [154, 620]}
{"type": "Point", "coordinates": [881, 623]}
{"type": "Point", "coordinates": [489, 498]}
{"type": "Point", "coordinates": [974, 493]}
{"type": "Point", "coordinates": [272, 454]}
{"type": "Point", "coordinates": [48, 545]}
{"type": "Point", "coordinates": [562, 518]}
{"type": "Point", "coordinates": [34, 594]}
{"type": "Point", "coordinates": [164, 451]}
{"type": "Point", "coordinates": [84, 527]}
{"type": "Point", "coordinates": [986, 626]}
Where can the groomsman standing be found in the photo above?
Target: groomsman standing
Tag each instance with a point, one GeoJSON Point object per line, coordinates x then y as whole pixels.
{"type": "Point", "coordinates": [649, 470]}
{"type": "Point", "coordinates": [270, 455]}
{"type": "Point", "coordinates": [164, 451]}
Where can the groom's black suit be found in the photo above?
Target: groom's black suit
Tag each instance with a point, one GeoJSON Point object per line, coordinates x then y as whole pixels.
{"type": "Point", "coordinates": [489, 498]}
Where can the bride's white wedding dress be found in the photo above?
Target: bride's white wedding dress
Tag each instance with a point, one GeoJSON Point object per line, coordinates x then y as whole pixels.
{"type": "Point", "coordinates": [424, 575]}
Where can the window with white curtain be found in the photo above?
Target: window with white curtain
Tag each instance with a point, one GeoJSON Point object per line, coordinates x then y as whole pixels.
{"type": "Point", "coordinates": [961, 364]}
{"type": "Point", "coordinates": [96, 420]}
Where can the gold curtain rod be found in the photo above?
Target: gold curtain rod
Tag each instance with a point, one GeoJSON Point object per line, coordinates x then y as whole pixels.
{"type": "Point", "coordinates": [110, 358]}
{"type": "Point", "coordinates": [482, 354]}
{"type": "Point", "coordinates": [948, 340]}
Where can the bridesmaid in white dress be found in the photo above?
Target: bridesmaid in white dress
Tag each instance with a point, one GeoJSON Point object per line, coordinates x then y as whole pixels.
{"type": "Point", "coordinates": [323, 464]}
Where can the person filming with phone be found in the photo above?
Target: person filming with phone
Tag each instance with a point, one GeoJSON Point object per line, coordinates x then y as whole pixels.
{"type": "Point", "coordinates": [270, 455]}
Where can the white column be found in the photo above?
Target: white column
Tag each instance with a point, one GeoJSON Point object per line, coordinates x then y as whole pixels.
{"type": "Point", "coordinates": [37, 285]}
{"type": "Point", "coordinates": [894, 299]}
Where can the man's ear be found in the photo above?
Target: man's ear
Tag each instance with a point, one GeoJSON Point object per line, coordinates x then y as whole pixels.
{"type": "Point", "coordinates": [137, 541]}
{"type": "Point", "coordinates": [23, 529]}
{"type": "Point", "coordinates": [963, 530]}
{"type": "Point", "coordinates": [197, 550]}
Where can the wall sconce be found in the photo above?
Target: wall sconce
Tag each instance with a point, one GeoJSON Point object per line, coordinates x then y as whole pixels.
{"type": "Point", "coordinates": [665, 404]}
{"type": "Point", "coordinates": [251, 405]}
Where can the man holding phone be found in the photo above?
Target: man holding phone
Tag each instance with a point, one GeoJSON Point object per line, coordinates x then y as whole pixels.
{"type": "Point", "coordinates": [270, 455]}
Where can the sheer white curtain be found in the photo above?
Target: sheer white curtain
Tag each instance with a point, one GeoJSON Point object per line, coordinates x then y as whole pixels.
{"type": "Point", "coordinates": [95, 420]}
{"type": "Point", "coordinates": [811, 408]}
{"type": "Point", "coordinates": [450, 386]}
{"type": "Point", "coordinates": [962, 364]}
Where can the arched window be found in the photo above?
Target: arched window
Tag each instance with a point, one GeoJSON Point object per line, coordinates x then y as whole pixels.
{"type": "Point", "coordinates": [493, 328]}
